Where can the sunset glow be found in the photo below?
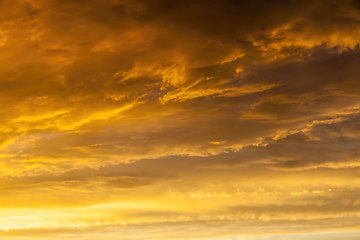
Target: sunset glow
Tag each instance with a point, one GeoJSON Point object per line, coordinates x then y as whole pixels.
{"type": "Point", "coordinates": [179, 120]}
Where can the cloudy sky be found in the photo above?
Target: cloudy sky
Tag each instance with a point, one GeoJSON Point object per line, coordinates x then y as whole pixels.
{"type": "Point", "coordinates": [179, 120]}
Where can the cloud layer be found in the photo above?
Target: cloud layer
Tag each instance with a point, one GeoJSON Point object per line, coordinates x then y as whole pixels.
{"type": "Point", "coordinates": [157, 119]}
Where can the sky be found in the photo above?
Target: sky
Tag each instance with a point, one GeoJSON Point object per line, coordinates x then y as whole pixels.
{"type": "Point", "coordinates": [179, 120]}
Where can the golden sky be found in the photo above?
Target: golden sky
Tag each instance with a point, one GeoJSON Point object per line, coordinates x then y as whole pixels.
{"type": "Point", "coordinates": [179, 120]}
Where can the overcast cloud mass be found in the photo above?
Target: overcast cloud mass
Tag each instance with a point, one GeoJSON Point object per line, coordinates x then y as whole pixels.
{"type": "Point", "coordinates": [180, 120]}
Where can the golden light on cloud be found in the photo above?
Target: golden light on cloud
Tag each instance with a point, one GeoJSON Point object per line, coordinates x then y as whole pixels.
{"type": "Point", "coordinates": [179, 120]}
